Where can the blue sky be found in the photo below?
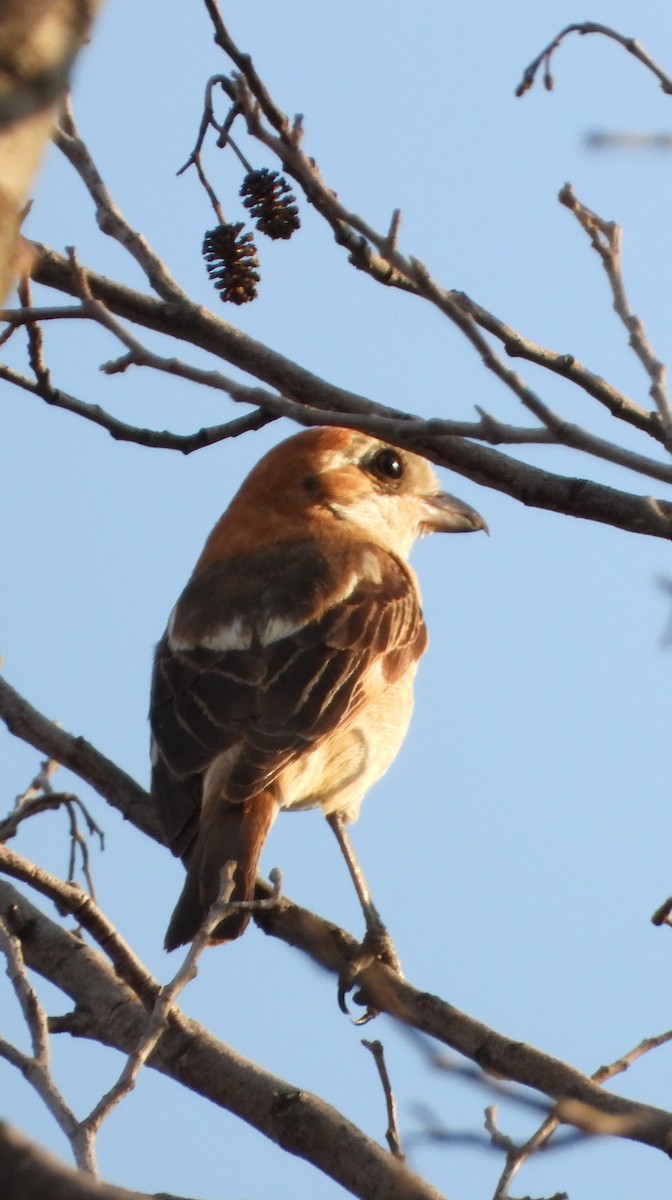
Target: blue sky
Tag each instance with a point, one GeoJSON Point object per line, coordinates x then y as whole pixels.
{"type": "Point", "coordinates": [520, 843]}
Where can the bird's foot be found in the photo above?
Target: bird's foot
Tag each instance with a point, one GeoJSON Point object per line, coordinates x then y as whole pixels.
{"type": "Point", "coordinates": [378, 944]}
{"type": "Point", "coordinates": [376, 947]}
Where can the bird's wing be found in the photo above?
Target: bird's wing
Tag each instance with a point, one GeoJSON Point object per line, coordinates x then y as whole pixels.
{"type": "Point", "coordinates": [242, 683]}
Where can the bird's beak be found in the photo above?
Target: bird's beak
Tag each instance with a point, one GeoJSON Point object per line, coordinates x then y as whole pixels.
{"type": "Point", "coordinates": [447, 514]}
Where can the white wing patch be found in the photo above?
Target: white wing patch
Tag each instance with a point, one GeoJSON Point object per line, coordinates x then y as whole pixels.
{"type": "Point", "coordinates": [236, 635]}
{"type": "Point", "coordinates": [241, 632]}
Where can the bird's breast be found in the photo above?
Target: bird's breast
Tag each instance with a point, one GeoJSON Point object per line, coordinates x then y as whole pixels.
{"type": "Point", "coordinates": [336, 774]}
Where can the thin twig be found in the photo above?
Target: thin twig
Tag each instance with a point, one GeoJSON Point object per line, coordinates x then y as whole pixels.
{"type": "Point", "coordinates": [566, 366]}
{"type": "Point", "coordinates": [518, 1156]}
{"type": "Point", "coordinates": [35, 337]}
{"type": "Point", "coordinates": [378, 256]}
{"type": "Point", "coordinates": [166, 1000]}
{"type": "Point", "coordinates": [500, 1140]}
{"type": "Point", "coordinates": [47, 312]}
{"type": "Point", "coordinates": [533, 486]}
{"type": "Point", "coordinates": [162, 1009]}
{"type": "Point", "coordinates": [122, 792]}
{"type": "Point", "coordinates": [223, 131]}
{"type": "Point", "coordinates": [40, 784]}
{"type": "Point", "coordinates": [291, 1117]}
{"type": "Point", "coordinates": [584, 27]}
{"type": "Point", "coordinates": [626, 1060]}
{"type": "Point", "coordinates": [605, 238]}
{"type": "Point", "coordinates": [121, 431]}
{"type": "Point", "coordinates": [565, 433]}
{"type": "Point", "coordinates": [392, 1131]}
{"type": "Point", "coordinates": [79, 842]}
{"type": "Point", "coordinates": [51, 801]}
{"type": "Point", "coordinates": [109, 217]}
{"type": "Point", "coordinates": [45, 803]}
{"type": "Point", "coordinates": [82, 1134]}
{"type": "Point", "coordinates": [40, 797]}
{"type": "Point", "coordinates": [70, 898]}
{"type": "Point", "coordinates": [36, 1068]}
{"type": "Point", "coordinates": [244, 64]}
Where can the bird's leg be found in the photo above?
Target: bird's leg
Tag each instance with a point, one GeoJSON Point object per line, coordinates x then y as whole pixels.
{"type": "Point", "coordinates": [377, 941]}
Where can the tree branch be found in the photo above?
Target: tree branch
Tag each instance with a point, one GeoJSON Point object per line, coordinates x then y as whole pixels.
{"type": "Point", "coordinates": [121, 431]}
{"type": "Point", "coordinates": [107, 1011]}
{"type": "Point", "coordinates": [542, 489]}
{"type": "Point", "coordinates": [334, 949]}
{"type": "Point", "coordinates": [122, 792]}
{"type": "Point", "coordinates": [29, 1172]}
{"type": "Point", "coordinates": [110, 219]}
{"type": "Point", "coordinates": [584, 27]}
{"type": "Point", "coordinates": [606, 238]}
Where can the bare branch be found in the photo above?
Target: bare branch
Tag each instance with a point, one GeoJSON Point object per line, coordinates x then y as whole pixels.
{"type": "Point", "coordinates": [39, 797]}
{"type": "Point", "coordinates": [164, 1006]}
{"type": "Point", "coordinates": [605, 238]}
{"type": "Point", "coordinates": [319, 939]}
{"type": "Point", "coordinates": [630, 44]}
{"type": "Point", "coordinates": [28, 1171]}
{"type": "Point", "coordinates": [244, 63]}
{"type": "Point", "coordinates": [121, 431]}
{"type": "Point", "coordinates": [567, 367]}
{"type": "Point", "coordinates": [300, 1122]}
{"type": "Point", "coordinates": [517, 1156]}
{"type": "Point", "coordinates": [543, 489]}
{"type": "Point", "coordinates": [195, 158]}
{"type": "Point", "coordinates": [394, 268]}
{"type": "Point", "coordinates": [122, 792]}
{"type": "Point", "coordinates": [35, 338]}
{"type": "Point", "coordinates": [497, 1054]}
{"type": "Point", "coordinates": [16, 317]}
{"type": "Point", "coordinates": [494, 1053]}
{"type": "Point", "coordinates": [559, 431]}
{"type": "Point", "coordinates": [110, 219]}
{"type": "Point", "coordinates": [384, 991]}
{"type": "Point", "coordinates": [40, 785]}
{"type": "Point", "coordinates": [70, 898]}
{"type": "Point", "coordinates": [165, 1003]}
{"type": "Point", "coordinates": [36, 1068]}
{"type": "Point", "coordinates": [51, 801]}
{"type": "Point", "coordinates": [626, 1060]}
{"type": "Point", "coordinates": [270, 405]}
{"type": "Point", "coordinates": [33, 1013]}
{"type": "Point", "coordinates": [392, 1131]}
{"type": "Point", "coordinates": [32, 808]}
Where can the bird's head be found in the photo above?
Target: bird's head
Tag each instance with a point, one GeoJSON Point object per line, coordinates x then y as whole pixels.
{"type": "Point", "coordinates": [340, 475]}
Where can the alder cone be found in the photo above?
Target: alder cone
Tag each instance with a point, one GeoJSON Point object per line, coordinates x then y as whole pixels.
{"type": "Point", "coordinates": [231, 260]}
{"type": "Point", "coordinates": [271, 202]}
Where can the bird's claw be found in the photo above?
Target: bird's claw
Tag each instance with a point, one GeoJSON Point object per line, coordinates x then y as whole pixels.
{"type": "Point", "coordinates": [346, 983]}
{"type": "Point", "coordinates": [376, 947]}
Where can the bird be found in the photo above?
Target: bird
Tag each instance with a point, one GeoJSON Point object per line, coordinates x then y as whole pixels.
{"type": "Point", "coordinates": [284, 680]}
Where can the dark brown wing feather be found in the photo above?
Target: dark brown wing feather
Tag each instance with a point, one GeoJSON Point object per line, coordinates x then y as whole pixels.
{"type": "Point", "coordinates": [271, 701]}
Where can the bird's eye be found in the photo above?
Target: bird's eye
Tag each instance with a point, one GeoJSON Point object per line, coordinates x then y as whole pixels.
{"type": "Point", "coordinates": [387, 464]}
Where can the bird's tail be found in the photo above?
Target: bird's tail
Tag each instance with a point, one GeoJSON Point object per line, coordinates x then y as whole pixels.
{"type": "Point", "coordinates": [234, 832]}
